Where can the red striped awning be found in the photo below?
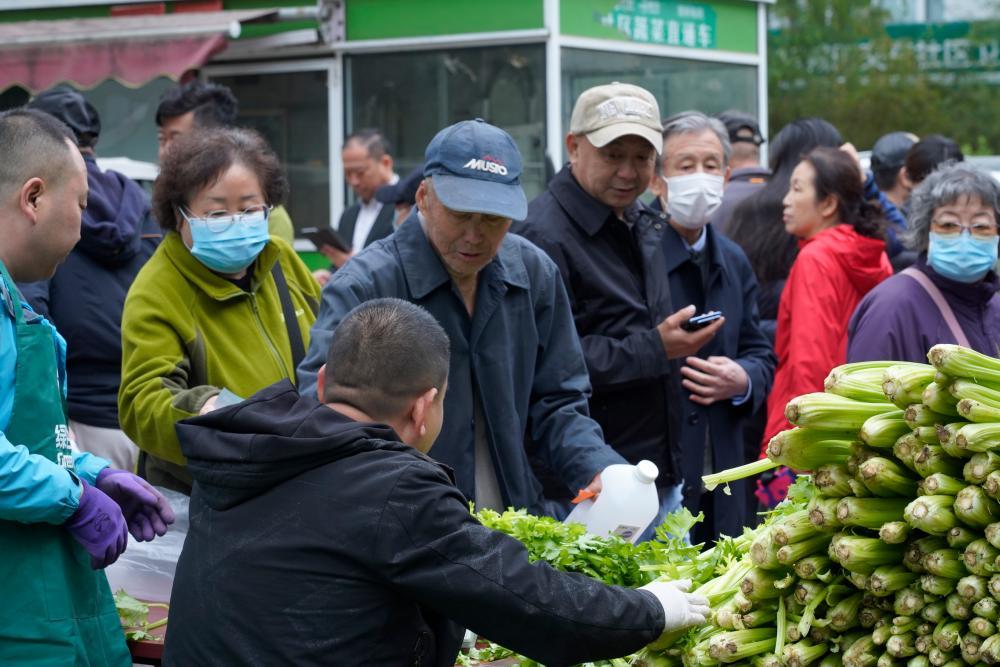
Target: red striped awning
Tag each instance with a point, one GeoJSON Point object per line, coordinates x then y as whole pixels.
{"type": "Point", "coordinates": [132, 50]}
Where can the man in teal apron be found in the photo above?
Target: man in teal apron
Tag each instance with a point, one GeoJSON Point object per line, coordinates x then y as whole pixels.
{"type": "Point", "coordinates": [63, 515]}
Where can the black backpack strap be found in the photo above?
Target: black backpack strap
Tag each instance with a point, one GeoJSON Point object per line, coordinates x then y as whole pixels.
{"type": "Point", "coordinates": [291, 321]}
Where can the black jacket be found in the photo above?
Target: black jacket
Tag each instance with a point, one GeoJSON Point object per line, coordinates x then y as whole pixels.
{"type": "Point", "coordinates": [318, 540]}
{"type": "Point", "coordinates": [85, 298]}
{"type": "Point", "coordinates": [381, 228]}
{"type": "Point", "coordinates": [618, 292]}
{"type": "Point", "coordinates": [732, 289]}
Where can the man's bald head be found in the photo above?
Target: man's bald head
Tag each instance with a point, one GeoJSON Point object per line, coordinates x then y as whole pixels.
{"type": "Point", "coordinates": [33, 145]}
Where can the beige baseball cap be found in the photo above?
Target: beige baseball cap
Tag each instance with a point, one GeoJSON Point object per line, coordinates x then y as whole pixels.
{"type": "Point", "coordinates": [604, 113]}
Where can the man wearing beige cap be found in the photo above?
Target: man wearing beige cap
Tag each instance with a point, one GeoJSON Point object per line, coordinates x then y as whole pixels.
{"type": "Point", "coordinates": [607, 245]}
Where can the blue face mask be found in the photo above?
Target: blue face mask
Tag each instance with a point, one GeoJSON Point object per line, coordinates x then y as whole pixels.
{"type": "Point", "coordinates": [962, 258]}
{"type": "Point", "coordinates": [229, 244]}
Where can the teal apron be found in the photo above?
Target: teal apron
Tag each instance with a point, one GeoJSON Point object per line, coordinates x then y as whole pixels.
{"type": "Point", "coordinates": [54, 610]}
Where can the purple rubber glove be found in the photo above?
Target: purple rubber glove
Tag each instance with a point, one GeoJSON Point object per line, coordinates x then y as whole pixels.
{"type": "Point", "coordinates": [146, 510]}
{"type": "Point", "coordinates": [99, 527]}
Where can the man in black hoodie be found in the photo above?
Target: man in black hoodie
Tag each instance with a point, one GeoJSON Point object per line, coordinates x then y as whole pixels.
{"type": "Point", "coordinates": [322, 534]}
{"type": "Point", "coordinates": [84, 299]}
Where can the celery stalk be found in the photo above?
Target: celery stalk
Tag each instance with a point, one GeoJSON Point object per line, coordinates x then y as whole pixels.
{"type": "Point", "coordinates": [831, 412]}
{"type": "Point", "coordinates": [940, 484]}
{"type": "Point", "coordinates": [894, 532]}
{"type": "Point", "coordinates": [807, 449]}
{"type": "Point", "coordinates": [987, 608]}
{"type": "Point", "coordinates": [932, 514]}
{"type": "Point", "coordinates": [886, 478]}
{"type": "Point", "coordinates": [831, 480]}
{"type": "Point", "coordinates": [904, 384]}
{"type": "Point", "coordinates": [933, 458]}
{"type": "Point", "coordinates": [888, 579]}
{"type": "Point", "coordinates": [882, 430]}
{"type": "Point", "coordinates": [789, 554]}
{"type": "Point", "coordinates": [945, 563]}
{"type": "Point", "coordinates": [795, 527]}
{"type": "Point", "coordinates": [918, 414]}
{"type": "Point", "coordinates": [976, 509]}
{"type": "Point", "coordinates": [979, 466]}
{"type": "Point", "coordinates": [967, 389]}
{"type": "Point", "coordinates": [870, 513]}
{"type": "Point", "coordinates": [980, 557]}
{"type": "Point", "coordinates": [962, 362]}
{"type": "Point", "coordinates": [972, 588]}
{"type": "Point", "coordinates": [958, 607]}
{"type": "Point", "coordinates": [979, 437]}
{"type": "Point", "coordinates": [909, 601]}
{"type": "Point", "coordinates": [937, 397]}
{"type": "Point", "coordinates": [978, 412]}
{"type": "Point", "coordinates": [960, 537]}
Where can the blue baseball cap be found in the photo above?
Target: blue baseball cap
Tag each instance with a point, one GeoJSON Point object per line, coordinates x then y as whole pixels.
{"type": "Point", "coordinates": [476, 168]}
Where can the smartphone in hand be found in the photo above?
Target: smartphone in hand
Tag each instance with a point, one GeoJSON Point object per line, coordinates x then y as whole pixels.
{"type": "Point", "coordinates": [701, 321]}
{"type": "Point", "coordinates": [326, 236]}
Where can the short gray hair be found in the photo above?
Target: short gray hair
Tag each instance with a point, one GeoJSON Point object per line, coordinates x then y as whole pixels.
{"type": "Point", "coordinates": [687, 122]}
{"type": "Point", "coordinates": [948, 184]}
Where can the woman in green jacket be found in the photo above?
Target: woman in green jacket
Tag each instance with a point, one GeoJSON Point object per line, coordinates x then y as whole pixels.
{"type": "Point", "coordinates": [221, 310]}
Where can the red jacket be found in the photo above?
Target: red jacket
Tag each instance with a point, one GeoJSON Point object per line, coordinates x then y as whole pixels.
{"type": "Point", "coordinates": [832, 272]}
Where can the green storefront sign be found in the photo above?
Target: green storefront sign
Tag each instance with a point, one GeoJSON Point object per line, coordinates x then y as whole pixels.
{"type": "Point", "coordinates": [673, 24]}
{"type": "Point", "coordinates": [728, 25]}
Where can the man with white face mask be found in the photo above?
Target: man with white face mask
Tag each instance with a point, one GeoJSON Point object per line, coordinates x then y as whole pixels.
{"type": "Point", "coordinates": [607, 245]}
{"type": "Point", "coordinates": [728, 379]}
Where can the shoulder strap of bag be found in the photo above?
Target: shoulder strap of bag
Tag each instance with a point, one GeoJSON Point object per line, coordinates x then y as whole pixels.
{"type": "Point", "coordinates": [291, 321]}
{"type": "Point", "coordinates": [942, 304]}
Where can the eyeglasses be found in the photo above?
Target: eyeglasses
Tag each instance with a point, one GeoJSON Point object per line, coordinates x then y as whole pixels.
{"type": "Point", "coordinates": [221, 220]}
{"type": "Point", "coordinates": [953, 228]}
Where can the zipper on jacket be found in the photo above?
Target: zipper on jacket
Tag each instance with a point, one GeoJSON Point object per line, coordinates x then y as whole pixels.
{"type": "Point", "coordinates": [263, 332]}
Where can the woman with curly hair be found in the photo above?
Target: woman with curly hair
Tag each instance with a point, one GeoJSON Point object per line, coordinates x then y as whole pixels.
{"type": "Point", "coordinates": [222, 309]}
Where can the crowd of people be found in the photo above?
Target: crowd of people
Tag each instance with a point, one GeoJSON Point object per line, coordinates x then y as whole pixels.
{"type": "Point", "coordinates": [661, 300]}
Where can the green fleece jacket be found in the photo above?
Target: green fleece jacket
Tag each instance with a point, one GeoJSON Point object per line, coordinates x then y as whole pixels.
{"type": "Point", "coordinates": [188, 333]}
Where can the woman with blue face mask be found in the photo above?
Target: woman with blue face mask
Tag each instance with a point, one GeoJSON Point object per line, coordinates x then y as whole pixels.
{"type": "Point", "coordinates": [951, 294]}
{"type": "Point", "coordinates": [222, 309]}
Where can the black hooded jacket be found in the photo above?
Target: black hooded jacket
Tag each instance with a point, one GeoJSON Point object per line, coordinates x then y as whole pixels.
{"type": "Point", "coordinates": [318, 540]}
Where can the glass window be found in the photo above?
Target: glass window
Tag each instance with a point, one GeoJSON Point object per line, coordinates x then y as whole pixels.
{"type": "Point", "coordinates": [410, 96]}
{"type": "Point", "coordinates": [290, 110]}
{"type": "Point", "coordinates": [678, 85]}
{"type": "Point", "coordinates": [128, 128]}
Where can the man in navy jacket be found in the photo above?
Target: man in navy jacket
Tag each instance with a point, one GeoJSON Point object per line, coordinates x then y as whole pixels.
{"type": "Point", "coordinates": [729, 378]}
{"type": "Point", "coordinates": [516, 363]}
{"type": "Point", "coordinates": [607, 246]}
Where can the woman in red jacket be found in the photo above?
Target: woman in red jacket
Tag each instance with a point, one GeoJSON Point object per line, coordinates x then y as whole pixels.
{"type": "Point", "coordinates": [841, 257]}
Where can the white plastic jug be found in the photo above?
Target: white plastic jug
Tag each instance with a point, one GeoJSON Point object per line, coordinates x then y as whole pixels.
{"type": "Point", "coordinates": [626, 505]}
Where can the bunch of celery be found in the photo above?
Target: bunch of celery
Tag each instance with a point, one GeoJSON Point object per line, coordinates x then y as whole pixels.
{"type": "Point", "coordinates": [910, 515]}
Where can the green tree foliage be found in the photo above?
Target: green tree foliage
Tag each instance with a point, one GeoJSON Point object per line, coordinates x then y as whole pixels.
{"type": "Point", "coordinates": [834, 59]}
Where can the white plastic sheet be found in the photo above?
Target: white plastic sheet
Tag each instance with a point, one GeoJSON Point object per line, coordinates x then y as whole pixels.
{"type": "Point", "coordinates": [146, 569]}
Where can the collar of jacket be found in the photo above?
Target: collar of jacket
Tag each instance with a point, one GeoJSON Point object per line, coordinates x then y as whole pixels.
{"type": "Point", "coordinates": [588, 213]}
{"type": "Point", "coordinates": [211, 283]}
{"type": "Point", "coordinates": [425, 271]}
{"type": "Point", "coordinates": [974, 295]}
{"type": "Point", "coordinates": [676, 252]}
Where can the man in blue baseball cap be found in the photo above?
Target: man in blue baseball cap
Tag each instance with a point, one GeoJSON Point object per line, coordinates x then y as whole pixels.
{"type": "Point", "coordinates": [517, 369]}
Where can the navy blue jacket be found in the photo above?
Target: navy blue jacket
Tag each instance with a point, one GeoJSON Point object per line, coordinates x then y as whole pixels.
{"type": "Point", "coordinates": [732, 289]}
{"type": "Point", "coordinates": [84, 299]}
{"type": "Point", "coordinates": [519, 350]}
{"type": "Point", "coordinates": [619, 293]}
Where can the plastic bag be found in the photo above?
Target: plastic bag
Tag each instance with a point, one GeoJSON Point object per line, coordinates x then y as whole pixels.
{"type": "Point", "coordinates": [146, 569]}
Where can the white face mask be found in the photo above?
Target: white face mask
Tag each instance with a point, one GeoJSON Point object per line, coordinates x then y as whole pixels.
{"type": "Point", "coordinates": [693, 198]}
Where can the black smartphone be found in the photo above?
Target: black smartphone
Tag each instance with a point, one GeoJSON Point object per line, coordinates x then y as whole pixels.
{"type": "Point", "coordinates": [326, 236]}
{"type": "Point", "coordinates": [701, 321]}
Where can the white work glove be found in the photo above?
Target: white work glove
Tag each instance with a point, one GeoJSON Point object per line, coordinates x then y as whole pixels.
{"type": "Point", "coordinates": [680, 608]}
